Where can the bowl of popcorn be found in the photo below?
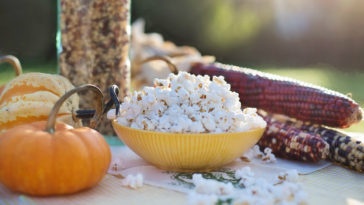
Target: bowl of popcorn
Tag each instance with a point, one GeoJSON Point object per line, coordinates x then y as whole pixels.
{"type": "Point", "coordinates": [187, 123]}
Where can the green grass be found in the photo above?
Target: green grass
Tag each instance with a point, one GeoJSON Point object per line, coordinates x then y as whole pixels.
{"type": "Point", "coordinates": [7, 73]}
{"type": "Point", "coordinates": [344, 82]}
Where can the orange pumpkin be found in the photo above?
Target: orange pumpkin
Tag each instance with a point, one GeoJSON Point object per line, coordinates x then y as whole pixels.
{"type": "Point", "coordinates": [52, 158]}
{"type": "Point", "coordinates": [14, 62]}
{"type": "Point", "coordinates": [31, 96]}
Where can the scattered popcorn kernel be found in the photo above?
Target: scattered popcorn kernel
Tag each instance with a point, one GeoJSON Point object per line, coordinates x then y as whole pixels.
{"type": "Point", "coordinates": [132, 181]}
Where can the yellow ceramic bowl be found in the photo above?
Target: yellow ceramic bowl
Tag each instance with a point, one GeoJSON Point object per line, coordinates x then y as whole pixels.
{"type": "Point", "coordinates": [187, 152]}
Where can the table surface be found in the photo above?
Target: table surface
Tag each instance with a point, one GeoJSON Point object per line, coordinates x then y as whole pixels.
{"type": "Point", "coordinates": [331, 185]}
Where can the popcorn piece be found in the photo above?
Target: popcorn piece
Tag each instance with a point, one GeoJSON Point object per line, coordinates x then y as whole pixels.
{"type": "Point", "coordinates": [208, 186]}
{"type": "Point", "coordinates": [254, 152]}
{"type": "Point", "coordinates": [290, 176]}
{"type": "Point", "coordinates": [133, 182]}
{"type": "Point", "coordinates": [244, 172]}
{"type": "Point", "coordinates": [111, 115]}
{"type": "Point", "coordinates": [115, 164]}
{"type": "Point", "coordinates": [267, 156]}
{"type": "Point", "coordinates": [246, 176]}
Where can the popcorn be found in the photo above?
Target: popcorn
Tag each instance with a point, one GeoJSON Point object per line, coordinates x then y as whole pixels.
{"type": "Point", "coordinates": [186, 103]}
{"type": "Point", "coordinates": [132, 181]}
{"type": "Point", "coordinates": [290, 176]}
{"type": "Point", "coordinates": [246, 176]}
{"type": "Point", "coordinates": [254, 191]}
{"type": "Point", "coordinates": [267, 156]}
{"type": "Point", "coordinates": [209, 186]}
{"type": "Point", "coordinates": [244, 172]}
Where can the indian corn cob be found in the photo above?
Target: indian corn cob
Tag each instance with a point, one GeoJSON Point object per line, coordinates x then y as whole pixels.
{"type": "Point", "coordinates": [343, 150]}
{"type": "Point", "coordinates": [290, 142]}
{"type": "Point", "coordinates": [293, 98]}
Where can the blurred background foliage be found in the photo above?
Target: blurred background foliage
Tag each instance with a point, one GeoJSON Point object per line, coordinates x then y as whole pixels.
{"type": "Point", "coordinates": [256, 33]}
{"type": "Point", "coordinates": [263, 32]}
{"type": "Point", "coordinates": [319, 41]}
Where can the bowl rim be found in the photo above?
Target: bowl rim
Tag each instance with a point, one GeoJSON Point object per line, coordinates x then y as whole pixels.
{"type": "Point", "coordinates": [114, 122]}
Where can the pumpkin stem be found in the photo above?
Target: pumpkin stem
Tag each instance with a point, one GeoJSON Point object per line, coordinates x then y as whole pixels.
{"type": "Point", "coordinates": [50, 127]}
{"type": "Point", "coordinates": [166, 59]}
{"type": "Point", "coordinates": [13, 62]}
